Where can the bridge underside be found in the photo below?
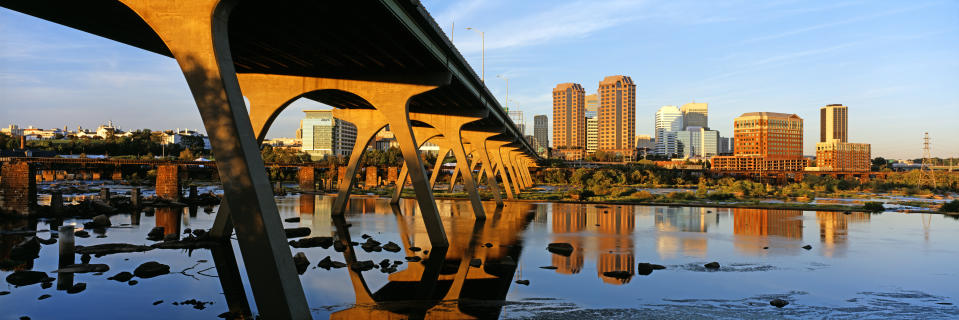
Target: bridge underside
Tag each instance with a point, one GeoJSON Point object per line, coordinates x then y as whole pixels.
{"type": "Point", "coordinates": [385, 59]}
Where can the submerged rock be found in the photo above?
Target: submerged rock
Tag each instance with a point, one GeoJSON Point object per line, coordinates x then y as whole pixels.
{"type": "Point", "coordinates": [778, 303]}
{"type": "Point", "coordinates": [618, 274]}
{"type": "Point", "coordinates": [297, 232]}
{"type": "Point", "coordinates": [324, 242]}
{"type": "Point", "coordinates": [712, 265]}
{"type": "Point", "coordinates": [548, 267]}
{"type": "Point", "coordinates": [560, 248]}
{"type": "Point", "coordinates": [807, 247]}
{"type": "Point", "coordinates": [293, 219]}
{"type": "Point", "coordinates": [84, 268]}
{"type": "Point", "coordinates": [151, 269]}
{"type": "Point", "coordinates": [121, 277]}
{"type": "Point", "coordinates": [111, 248]}
{"type": "Point", "coordinates": [523, 282]}
{"type": "Point", "coordinates": [26, 278]}
{"type": "Point", "coordinates": [301, 262]}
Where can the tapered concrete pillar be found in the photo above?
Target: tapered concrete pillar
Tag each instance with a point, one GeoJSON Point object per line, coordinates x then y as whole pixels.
{"type": "Point", "coordinates": [425, 135]}
{"type": "Point", "coordinates": [508, 169]}
{"type": "Point", "coordinates": [368, 122]}
{"type": "Point", "coordinates": [478, 141]}
{"type": "Point", "coordinates": [451, 127]}
{"type": "Point", "coordinates": [493, 147]}
{"type": "Point", "coordinates": [196, 34]}
{"type": "Point", "coordinates": [438, 165]}
{"type": "Point", "coordinates": [306, 176]}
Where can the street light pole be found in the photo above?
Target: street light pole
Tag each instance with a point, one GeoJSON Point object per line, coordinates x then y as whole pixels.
{"type": "Point", "coordinates": [483, 39]}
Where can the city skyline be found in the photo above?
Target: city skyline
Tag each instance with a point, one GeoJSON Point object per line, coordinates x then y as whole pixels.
{"type": "Point", "coordinates": [881, 58]}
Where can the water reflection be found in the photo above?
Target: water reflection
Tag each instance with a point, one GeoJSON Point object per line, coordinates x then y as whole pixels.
{"type": "Point", "coordinates": [834, 229]}
{"type": "Point", "coordinates": [755, 227]}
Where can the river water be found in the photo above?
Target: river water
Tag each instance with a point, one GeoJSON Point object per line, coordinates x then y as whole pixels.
{"type": "Point", "coordinates": [889, 265]}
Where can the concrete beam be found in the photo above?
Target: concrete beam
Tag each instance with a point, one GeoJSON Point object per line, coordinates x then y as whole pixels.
{"type": "Point", "coordinates": [368, 122]}
{"type": "Point", "coordinates": [196, 34]}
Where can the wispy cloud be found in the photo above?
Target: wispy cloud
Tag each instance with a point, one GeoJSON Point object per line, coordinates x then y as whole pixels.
{"type": "Point", "coordinates": [834, 23]}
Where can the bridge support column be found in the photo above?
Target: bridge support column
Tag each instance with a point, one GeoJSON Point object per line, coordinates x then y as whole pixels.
{"type": "Point", "coordinates": [478, 144]}
{"type": "Point", "coordinates": [168, 182]}
{"type": "Point", "coordinates": [370, 177]}
{"type": "Point", "coordinates": [18, 192]}
{"type": "Point", "coordinates": [196, 34]}
{"type": "Point", "coordinates": [307, 178]}
{"type": "Point", "coordinates": [425, 134]}
{"type": "Point", "coordinates": [508, 168]}
{"type": "Point", "coordinates": [451, 127]}
{"type": "Point", "coordinates": [368, 122]}
{"type": "Point", "coordinates": [493, 147]}
{"type": "Point", "coordinates": [438, 165]}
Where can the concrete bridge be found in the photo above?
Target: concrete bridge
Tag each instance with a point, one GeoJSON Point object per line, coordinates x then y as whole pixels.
{"type": "Point", "coordinates": [379, 63]}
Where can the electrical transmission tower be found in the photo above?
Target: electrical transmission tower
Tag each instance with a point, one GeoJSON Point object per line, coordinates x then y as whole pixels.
{"type": "Point", "coordinates": [926, 174]}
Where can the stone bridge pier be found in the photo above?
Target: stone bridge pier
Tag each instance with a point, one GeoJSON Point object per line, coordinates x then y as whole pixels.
{"type": "Point", "coordinates": [18, 188]}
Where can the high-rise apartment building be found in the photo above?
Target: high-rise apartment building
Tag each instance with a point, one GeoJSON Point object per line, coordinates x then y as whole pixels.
{"type": "Point", "coordinates": [592, 105]}
{"type": "Point", "coordinates": [695, 115]}
{"type": "Point", "coordinates": [668, 119]}
{"type": "Point", "coordinates": [644, 141]}
{"type": "Point", "coordinates": [325, 135]}
{"type": "Point", "coordinates": [765, 141]}
{"type": "Point", "coordinates": [833, 123]}
{"type": "Point", "coordinates": [541, 130]}
{"type": "Point", "coordinates": [569, 121]}
{"type": "Point", "coordinates": [617, 115]}
{"type": "Point", "coordinates": [592, 134]}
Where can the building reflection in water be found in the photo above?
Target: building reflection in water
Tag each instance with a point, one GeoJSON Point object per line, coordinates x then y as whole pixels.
{"type": "Point", "coordinates": [754, 227]}
{"type": "Point", "coordinates": [671, 222]}
{"type": "Point", "coordinates": [616, 253]}
{"type": "Point", "coordinates": [834, 228]}
{"type": "Point", "coordinates": [169, 219]}
{"type": "Point", "coordinates": [568, 221]}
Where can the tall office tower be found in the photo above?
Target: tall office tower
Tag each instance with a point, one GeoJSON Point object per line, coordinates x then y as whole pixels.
{"type": "Point", "coordinates": [766, 141]}
{"type": "Point", "coordinates": [698, 142]}
{"type": "Point", "coordinates": [833, 123]}
{"type": "Point", "coordinates": [325, 135]}
{"type": "Point", "coordinates": [592, 134]}
{"type": "Point", "coordinates": [592, 105]}
{"type": "Point", "coordinates": [725, 146]}
{"type": "Point", "coordinates": [617, 115]}
{"type": "Point", "coordinates": [668, 119]}
{"type": "Point", "coordinates": [517, 117]}
{"type": "Point", "coordinates": [695, 115]}
{"type": "Point", "coordinates": [569, 123]}
{"type": "Point", "coordinates": [541, 130]}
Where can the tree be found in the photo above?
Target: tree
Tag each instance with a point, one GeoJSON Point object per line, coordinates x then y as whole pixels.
{"type": "Point", "coordinates": [187, 155]}
{"type": "Point", "coordinates": [879, 163]}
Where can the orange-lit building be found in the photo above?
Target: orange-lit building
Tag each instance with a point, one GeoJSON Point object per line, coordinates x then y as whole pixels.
{"type": "Point", "coordinates": [834, 152]}
{"type": "Point", "coordinates": [567, 220]}
{"type": "Point", "coordinates": [616, 224]}
{"type": "Point", "coordinates": [569, 118]}
{"type": "Point", "coordinates": [617, 115]}
{"type": "Point", "coordinates": [765, 141]}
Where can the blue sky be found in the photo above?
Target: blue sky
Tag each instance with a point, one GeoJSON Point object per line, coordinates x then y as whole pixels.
{"type": "Point", "coordinates": [894, 63]}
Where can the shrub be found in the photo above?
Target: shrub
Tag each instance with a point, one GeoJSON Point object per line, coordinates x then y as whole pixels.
{"type": "Point", "coordinates": [621, 191]}
{"type": "Point", "coordinates": [952, 206]}
{"type": "Point", "coordinates": [873, 206]}
{"type": "Point", "coordinates": [642, 195]}
{"type": "Point", "coordinates": [681, 196]}
{"type": "Point", "coordinates": [720, 196]}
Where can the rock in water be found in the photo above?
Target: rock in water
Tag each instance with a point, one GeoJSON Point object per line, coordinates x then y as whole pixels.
{"type": "Point", "coordinates": [324, 242]}
{"type": "Point", "coordinates": [549, 267]}
{"type": "Point", "coordinates": [151, 269]}
{"type": "Point", "coordinates": [155, 234]}
{"type": "Point", "coordinates": [297, 232]}
{"type": "Point", "coordinates": [476, 263]}
{"type": "Point", "coordinates": [778, 303]}
{"type": "Point", "coordinates": [523, 282]}
{"type": "Point", "coordinates": [326, 263]}
{"type": "Point", "coordinates": [392, 247]}
{"type": "Point", "coordinates": [619, 274]}
{"type": "Point", "coordinates": [111, 248]}
{"type": "Point", "coordinates": [101, 221]}
{"type": "Point", "coordinates": [41, 297]}
{"type": "Point", "coordinates": [121, 277]}
{"type": "Point", "coordinates": [807, 247]}
{"type": "Point", "coordinates": [647, 268]}
{"type": "Point", "coordinates": [337, 265]}
{"type": "Point", "coordinates": [84, 268]}
{"type": "Point", "coordinates": [26, 278]}
{"type": "Point", "coordinates": [339, 246]}
{"type": "Point", "coordinates": [415, 249]}
{"type": "Point", "coordinates": [26, 250]}
{"type": "Point", "coordinates": [363, 265]}
{"type": "Point", "coordinates": [81, 234]}
{"type": "Point", "coordinates": [293, 219]}
{"type": "Point", "coordinates": [77, 288]}
{"type": "Point", "coordinates": [301, 262]}
{"type": "Point", "coordinates": [560, 248]}
{"type": "Point", "coordinates": [712, 265]}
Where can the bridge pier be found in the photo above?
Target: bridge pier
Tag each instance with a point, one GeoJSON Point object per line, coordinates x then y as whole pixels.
{"type": "Point", "coordinates": [370, 177]}
{"type": "Point", "coordinates": [451, 127]}
{"type": "Point", "coordinates": [168, 182]}
{"type": "Point", "coordinates": [195, 32]}
{"type": "Point", "coordinates": [478, 143]}
{"type": "Point", "coordinates": [368, 122]}
{"type": "Point", "coordinates": [116, 175]}
{"type": "Point", "coordinates": [425, 134]}
{"type": "Point", "coordinates": [18, 188]}
{"type": "Point", "coordinates": [307, 178]}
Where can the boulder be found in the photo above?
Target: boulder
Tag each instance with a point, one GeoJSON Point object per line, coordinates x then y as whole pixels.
{"type": "Point", "coordinates": [297, 232]}
{"type": "Point", "coordinates": [415, 249]}
{"type": "Point", "coordinates": [301, 262]}
{"type": "Point", "coordinates": [647, 268]}
{"type": "Point", "coordinates": [523, 282]}
{"type": "Point", "coordinates": [339, 246]}
{"type": "Point", "coordinates": [151, 269]}
{"type": "Point", "coordinates": [326, 263]}
{"type": "Point", "coordinates": [121, 277]}
{"type": "Point", "coordinates": [111, 248]}
{"type": "Point", "coordinates": [77, 288]}
{"type": "Point", "coordinates": [171, 237]}
{"type": "Point", "coordinates": [778, 303]}
{"type": "Point", "coordinates": [100, 221]}
{"type": "Point", "coordinates": [293, 219]}
{"type": "Point", "coordinates": [26, 250]}
{"type": "Point", "coordinates": [476, 263]}
{"type": "Point", "coordinates": [26, 278]}
{"type": "Point", "coordinates": [81, 234]}
{"type": "Point", "coordinates": [43, 296]}
{"type": "Point", "coordinates": [392, 247]}
{"type": "Point", "coordinates": [413, 259]}
{"type": "Point", "coordinates": [363, 265]}
{"type": "Point", "coordinates": [807, 247]}
{"type": "Point", "coordinates": [324, 242]}
{"type": "Point", "coordinates": [560, 248]}
{"type": "Point", "coordinates": [548, 267]}
{"type": "Point", "coordinates": [618, 274]}
{"type": "Point", "coordinates": [155, 234]}
{"type": "Point", "coordinates": [712, 265]}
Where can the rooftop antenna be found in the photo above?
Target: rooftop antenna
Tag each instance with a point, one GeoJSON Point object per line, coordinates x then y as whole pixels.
{"type": "Point", "coordinates": [926, 174]}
